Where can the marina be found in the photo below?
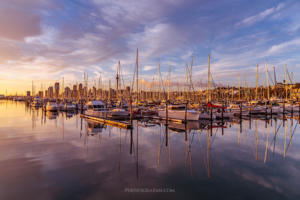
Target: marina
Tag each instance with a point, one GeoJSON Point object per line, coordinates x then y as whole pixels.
{"type": "Point", "coordinates": [160, 99]}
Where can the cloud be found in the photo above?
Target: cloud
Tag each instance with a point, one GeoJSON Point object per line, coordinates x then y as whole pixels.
{"type": "Point", "coordinates": [149, 68]}
{"type": "Point", "coordinates": [285, 46]}
{"type": "Point", "coordinates": [260, 16]}
{"type": "Point", "coordinates": [50, 39]}
{"type": "Point", "coordinates": [17, 24]}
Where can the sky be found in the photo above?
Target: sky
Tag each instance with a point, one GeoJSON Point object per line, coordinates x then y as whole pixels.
{"type": "Point", "coordinates": [47, 40]}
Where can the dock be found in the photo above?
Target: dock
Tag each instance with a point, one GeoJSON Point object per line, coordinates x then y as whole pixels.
{"type": "Point", "coordinates": [169, 119]}
{"type": "Point", "coordinates": [119, 124]}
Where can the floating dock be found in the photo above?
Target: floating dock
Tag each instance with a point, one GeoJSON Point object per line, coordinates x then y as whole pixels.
{"type": "Point", "coordinates": [110, 122]}
{"type": "Point", "coordinates": [169, 119]}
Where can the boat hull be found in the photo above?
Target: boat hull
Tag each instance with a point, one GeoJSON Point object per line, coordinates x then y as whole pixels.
{"type": "Point", "coordinates": [179, 114]}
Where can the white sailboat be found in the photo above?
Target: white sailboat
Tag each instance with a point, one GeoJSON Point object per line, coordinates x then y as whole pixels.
{"type": "Point", "coordinates": [178, 112]}
{"type": "Point", "coordinates": [51, 106]}
{"type": "Point", "coordinates": [96, 109]}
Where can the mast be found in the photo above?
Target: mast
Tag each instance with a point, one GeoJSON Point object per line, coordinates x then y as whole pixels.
{"type": "Point", "coordinates": [169, 77]}
{"type": "Point", "coordinates": [285, 83]}
{"type": "Point", "coordinates": [256, 89]}
{"type": "Point", "coordinates": [191, 73]}
{"type": "Point", "coordinates": [86, 86]}
{"type": "Point", "coordinates": [292, 77]}
{"type": "Point", "coordinates": [159, 86]}
{"type": "Point", "coordinates": [137, 74]}
{"type": "Point", "coordinates": [63, 89]}
{"type": "Point", "coordinates": [101, 87]}
{"type": "Point", "coordinates": [187, 80]}
{"type": "Point", "coordinates": [98, 88]}
{"type": "Point", "coordinates": [208, 80]}
{"type": "Point", "coordinates": [117, 79]}
{"type": "Point", "coordinates": [109, 91]}
{"type": "Point", "coordinates": [267, 81]}
{"type": "Point", "coordinates": [275, 82]}
{"type": "Point", "coordinates": [32, 89]}
{"type": "Point", "coordinates": [239, 86]}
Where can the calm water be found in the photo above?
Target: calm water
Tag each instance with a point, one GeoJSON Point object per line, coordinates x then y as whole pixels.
{"type": "Point", "coordinates": [64, 157]}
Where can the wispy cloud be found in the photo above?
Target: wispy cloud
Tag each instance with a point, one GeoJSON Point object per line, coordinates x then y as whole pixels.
{"type": "Point", "coordinates": [260, 16]}
{"type": "Point", "coordinates": [285, 46]}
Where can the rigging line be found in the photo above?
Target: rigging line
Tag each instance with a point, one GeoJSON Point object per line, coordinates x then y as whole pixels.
{"type": "Point", "coordinates": [162, 84]}
{"type": "Point", "coordinates": [270, 77]}
{"type": "Point", "coordinates": [289, 75]}
{"type": "Point", "coordinates": [132, 83]}
{"type": "Point", "coordinates": [191, 86]}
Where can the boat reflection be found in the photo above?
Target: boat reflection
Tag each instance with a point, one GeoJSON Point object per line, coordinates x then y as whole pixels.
{"type": "Point", "coordinates": [51, 115]}
{"type": "Point", "coordinates": [94, 128]}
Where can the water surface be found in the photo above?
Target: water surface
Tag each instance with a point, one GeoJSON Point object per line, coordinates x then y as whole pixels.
{"type": "Point", "coordinates": [61, 156]}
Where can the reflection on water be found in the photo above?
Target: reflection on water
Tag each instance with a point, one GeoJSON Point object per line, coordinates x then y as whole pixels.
{"type": "Point", "coordinates": [61, 156]}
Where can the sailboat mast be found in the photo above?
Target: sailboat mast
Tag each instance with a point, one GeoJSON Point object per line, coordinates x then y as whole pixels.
{"type": "Point", "coordinates": [117, 78]}
{"type": "Point", "coordinates": [239, 86]}
{"type": "Point", "coordinates": [208, 80]}
{"type": "Point", "coordinates": [109, 91]}
{"type": "Point", "coordinates": [32, 89]}
{"type": "Point", "coordinates": [187, 81]}
{"type": "Point", "coordinates": [191, 73]}
{"type": "Point", "coordinates": [275, 82]}
{"type": "Point", "coordinates": [137, 74]}
{"type": "Point", "coordinates": [256, 89]}
{"type": "Point", "coordinates": [159, 86]}
{"type": "Point", "coordinates": [285, 83]}
{"type": "Point", "coordinates": [169, 81]}
{"type": "Point", "coordinates": [63, 89]}
{"type": "Point", "coordinates": [267, 80]}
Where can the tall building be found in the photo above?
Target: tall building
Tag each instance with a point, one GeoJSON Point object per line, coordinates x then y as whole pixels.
{"type": "Point", "coordinates": [56, 87]}
{"type": "Point", "coordinates": [50, 92]}
{"type": "Point", "coordinates": [80, 90]}
{"type": "Point", "coordinates": [41, 94]}
{"type": "Point", "coordinates": [94, 92]}
{"type": "Point", "coordinates": [67, 93]}
{"type": "Point", "coordinates": [74, 91]}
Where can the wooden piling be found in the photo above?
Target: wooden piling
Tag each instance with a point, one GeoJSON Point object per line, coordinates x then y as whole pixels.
{"type": "Point", "coordinates": [130, 102]}
{"type": "Point", "coordinates": [283, 108]}
{"type": "Point", "coordinates": [271, 109]}
{"type": "Point", "coordinates": [167, 113]}
{"type": "Point", "coordinates": [185, 112]}
{"type": "Point", "coordinates": [266, 110]}
{"type": "Point", "coordinates": [240, 110]}
{"type": "Point", "coordinates": [292, 112]}
{"type": "Point", "coordinates": [222, 118]}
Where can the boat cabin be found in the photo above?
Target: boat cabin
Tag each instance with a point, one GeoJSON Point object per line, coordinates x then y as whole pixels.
{"type": "Point", "coordinates": [176, 107]}
{"type": "Point", "coordinates": [95, 105]}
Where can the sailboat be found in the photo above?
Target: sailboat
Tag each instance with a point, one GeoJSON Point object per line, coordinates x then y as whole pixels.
{"type": "Point", "coordinates": [178, 112]}
{"type": "Point", "coordinates": [119, 112]}
{"type": "Point", "coordinates": [51, 106]}
{"type": "Point", "coordinates": [37, 102]}
{"type": "Point", "coordinates": [96, 109]}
